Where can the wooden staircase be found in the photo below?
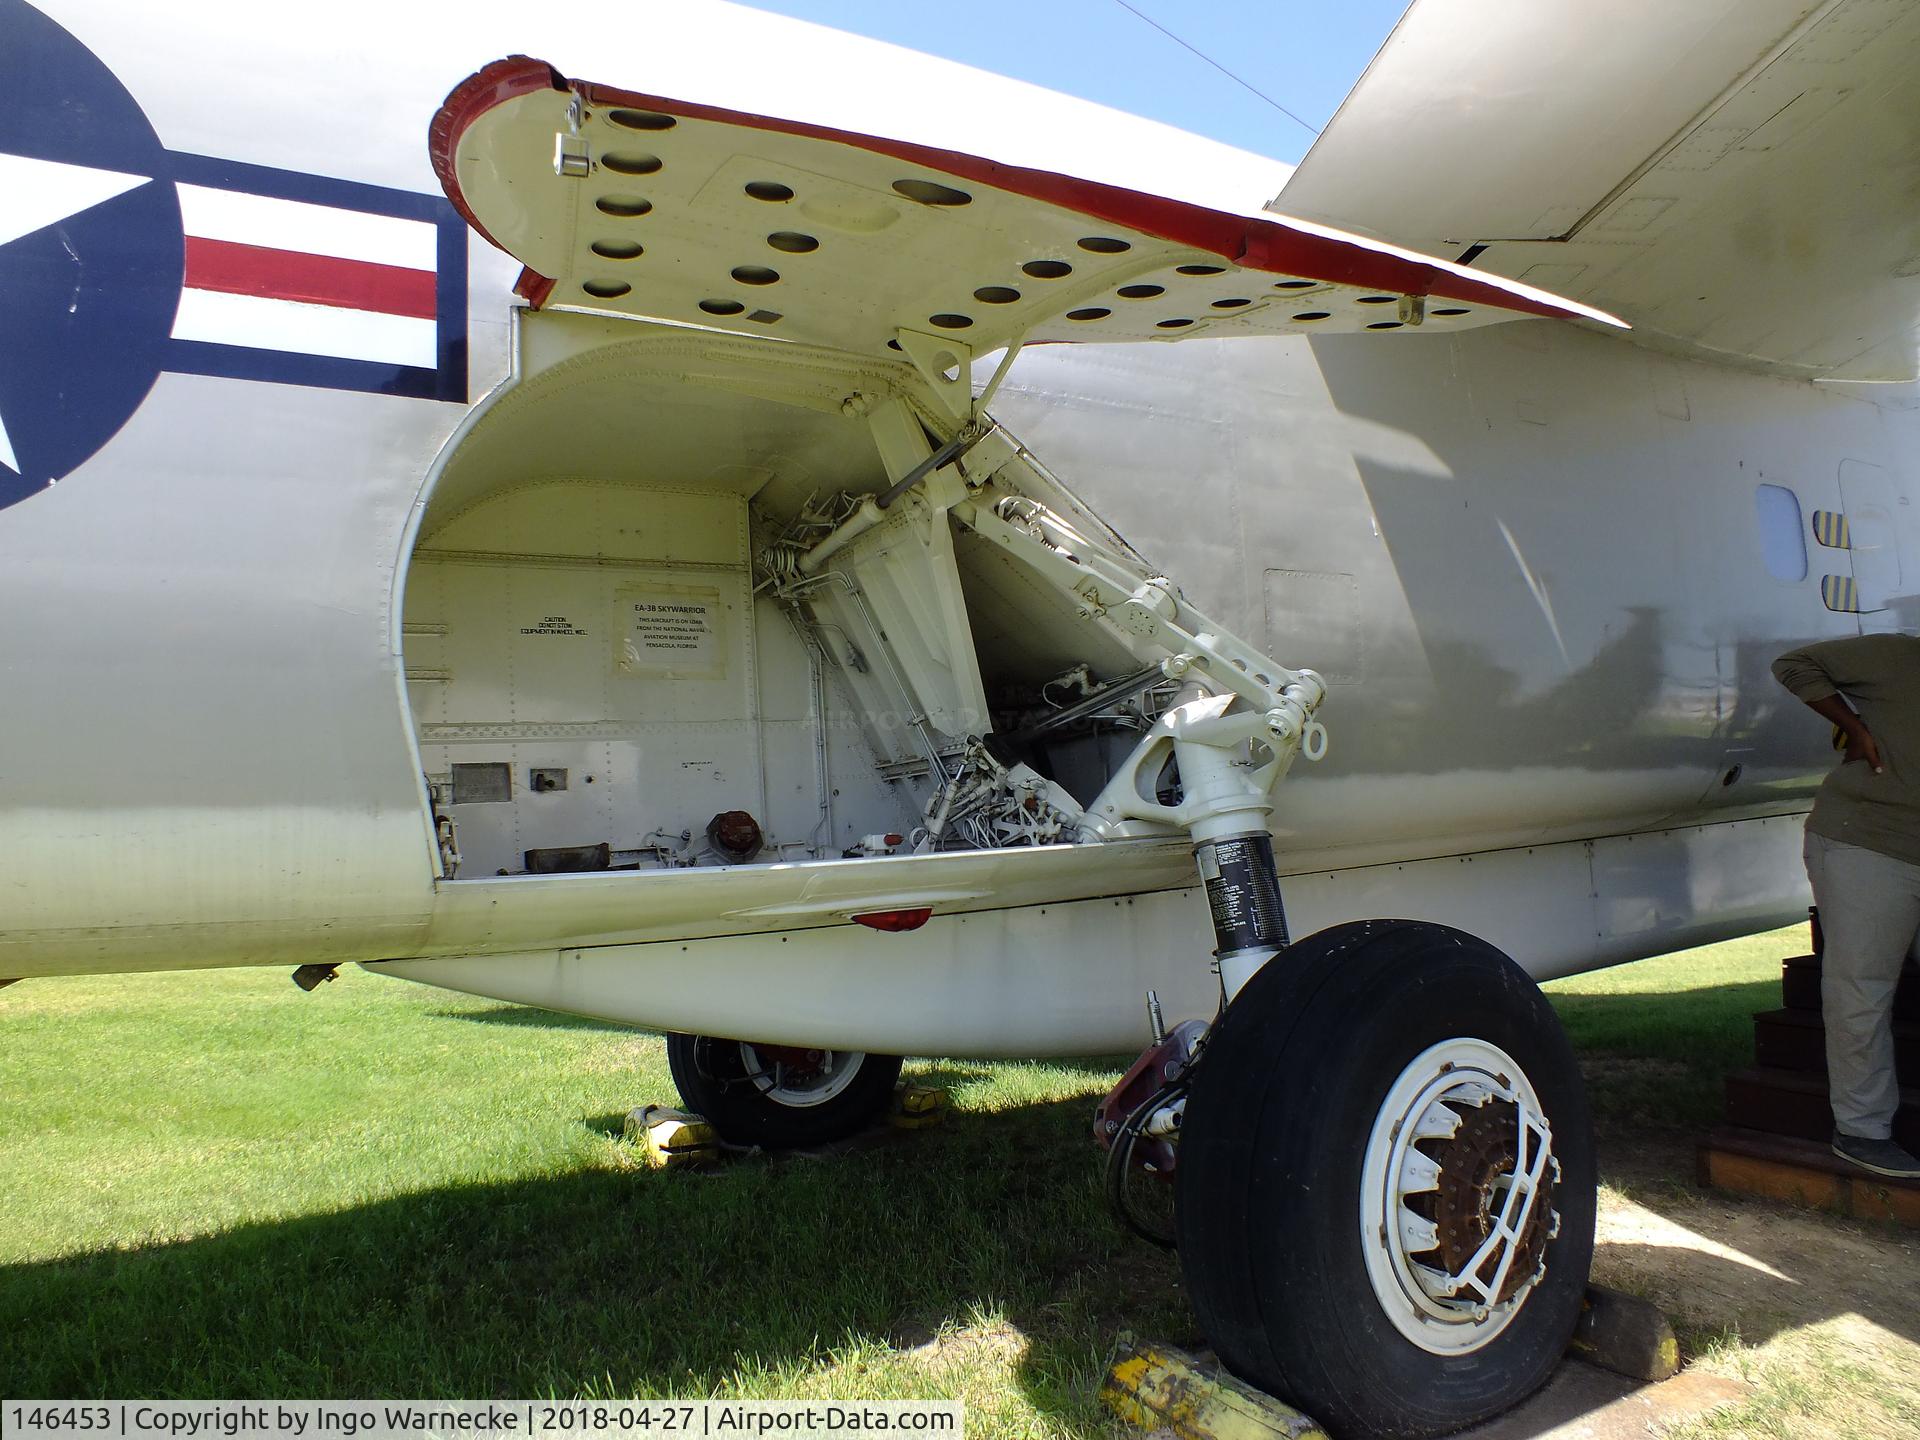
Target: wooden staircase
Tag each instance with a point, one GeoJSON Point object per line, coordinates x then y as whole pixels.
{"type": "Point", "coordinates": [1776, 1141]}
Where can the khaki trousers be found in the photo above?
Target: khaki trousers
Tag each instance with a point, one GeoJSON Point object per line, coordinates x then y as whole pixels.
{"type": "Point", "coordinates": [1870, 914]}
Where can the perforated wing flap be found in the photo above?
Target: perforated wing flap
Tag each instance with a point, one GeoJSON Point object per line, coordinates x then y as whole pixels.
{"type": "Point", "coordinates": [647, 206]}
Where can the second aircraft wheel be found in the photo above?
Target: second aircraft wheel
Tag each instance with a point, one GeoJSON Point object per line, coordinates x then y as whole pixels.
{"type": "Point", "coordinates": [781, 1096]}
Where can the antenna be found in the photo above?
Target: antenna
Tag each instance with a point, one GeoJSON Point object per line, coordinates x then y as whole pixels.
{"type": "Point", "coordinates": [1244, 85]}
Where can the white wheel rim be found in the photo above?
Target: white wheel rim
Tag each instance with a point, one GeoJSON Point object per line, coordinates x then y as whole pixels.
{"type": "Point", "coordinates": [1458, 1310]}
{"type": "Point", "coordinates": [778, 1084]}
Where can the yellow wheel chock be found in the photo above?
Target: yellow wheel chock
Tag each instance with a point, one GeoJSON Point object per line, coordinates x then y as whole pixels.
{"type": "Point", "coordinates": [672, 1138]}
{"type": "Point", "coordinates": [915, 1107]}
{"type": "Point", "coordinates": [1160, 1388]}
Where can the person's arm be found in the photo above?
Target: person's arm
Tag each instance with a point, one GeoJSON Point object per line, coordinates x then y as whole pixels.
{"type": "Point", "coordinates": [1810, 673]}
{"type": "Point", "coordinates": [1860, 742]}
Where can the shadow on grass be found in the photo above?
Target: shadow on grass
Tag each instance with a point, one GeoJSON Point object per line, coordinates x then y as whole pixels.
{"type": "Point", "coordinates": [1656, 1066]}
{"type": "Point", "coordinates": [625, 1280]}
{"type": "Point", "coordinates": [1661, 1060]}
{"type": "Point", "coordinates": [638, 1281]}
{"type": "Point", "coordinates": [525, 1016]}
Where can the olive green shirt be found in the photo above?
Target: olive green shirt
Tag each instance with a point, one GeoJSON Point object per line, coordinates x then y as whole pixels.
{"type": "Point", "coordinates": [1879, 675]}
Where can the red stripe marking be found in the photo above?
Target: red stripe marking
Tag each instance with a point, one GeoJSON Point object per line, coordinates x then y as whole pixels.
{"type": "Point", "coordinates": [236, 269]}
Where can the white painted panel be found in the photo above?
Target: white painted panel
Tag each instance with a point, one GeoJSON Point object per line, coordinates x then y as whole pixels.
{"type": "Point", "coordinates": [598, 519]}
{"type": "Point", "coordinates": [1866, 491]}
{"type": "Point", "coordinates": [534, 673]}
{"type": "Point", "coordinates": [266, 324]}
{"type": "Point", "coordinates": [1535, 903]}
{"type": "Point", "coordinates": [1067, 977]}
{"type": "Point", "coordinates": [907, 574]}
{"type": "Point", "coordinates": [519, 646]}
{"type": "Point", "coordinates": [277, 224]}
{"type": "Point", "coordinates": [1059, 979]}
{"type": "Point", "coordinates": [1679, 888]}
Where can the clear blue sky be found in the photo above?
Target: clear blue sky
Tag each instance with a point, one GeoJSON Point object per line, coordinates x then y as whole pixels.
{"type": "Point", "coordinates": [1305, 56]}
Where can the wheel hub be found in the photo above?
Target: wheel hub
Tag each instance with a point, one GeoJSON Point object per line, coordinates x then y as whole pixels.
{"type": "Point", "coordinates": [1457, 1190]}
{"type": "Point", "coordinates": [795, 1062]}
{"type": "Point", "coordinates": [1476, 1175]}
{"type": "Point", "coordinates": [799, 1076]}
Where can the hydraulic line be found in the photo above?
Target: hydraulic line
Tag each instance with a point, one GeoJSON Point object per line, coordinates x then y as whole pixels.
{"type": "Point", "coordinates": [1124, 688]}
{"type": "Point", "coordinates": [1120, 1162]}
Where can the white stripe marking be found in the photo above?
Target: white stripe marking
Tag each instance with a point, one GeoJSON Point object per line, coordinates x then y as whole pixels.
{"type": "Point", "coordinates": [264, 324]}
{"type": "Point", "coordinates": [314, 229]}
{"type": "Point", "coordinates": [7, 457]}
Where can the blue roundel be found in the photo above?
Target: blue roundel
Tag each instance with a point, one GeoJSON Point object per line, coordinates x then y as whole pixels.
{"type": "Point", "coordinates": [91, 253]}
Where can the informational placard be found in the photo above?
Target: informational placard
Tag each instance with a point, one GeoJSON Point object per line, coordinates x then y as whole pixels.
{"type": "Point", "coordinates": [553, 625]}
{"type": "Point", "coordinates": [670, 630]}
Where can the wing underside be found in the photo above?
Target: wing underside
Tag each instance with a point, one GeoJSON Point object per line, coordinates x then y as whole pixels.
{"type": "Point", "coordinates": [1734, 177]}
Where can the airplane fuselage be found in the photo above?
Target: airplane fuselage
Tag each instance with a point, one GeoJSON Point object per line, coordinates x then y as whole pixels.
{"type": "Point", "coordinates": [256, 630]}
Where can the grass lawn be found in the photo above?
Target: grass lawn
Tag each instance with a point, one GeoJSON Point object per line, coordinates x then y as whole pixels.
{"type": "Point", "coordinates": [1658, 1038]}
{"type": "Point", "coordinates": [219, 1186]}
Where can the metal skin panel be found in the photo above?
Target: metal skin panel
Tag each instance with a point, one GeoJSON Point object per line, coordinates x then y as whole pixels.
{"type": "Point", "coordinates": [1538, 112]}
{"type": "Point", "coordinates": [1733, 178]}
{"type": "Point", "coordinates": [1065, 978]}
{"type": "Point", "coordinates": [1562, 613]}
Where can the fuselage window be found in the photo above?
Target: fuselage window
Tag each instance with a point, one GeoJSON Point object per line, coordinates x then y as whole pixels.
{"type": "Point", "coordinates": [1783, 535]}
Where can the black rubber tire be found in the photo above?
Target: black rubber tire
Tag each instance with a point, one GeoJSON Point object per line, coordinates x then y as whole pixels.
{"type": "Point", "coordinates": [711, 1078]}
{"type": "Point", "coordinates": [1268, 1184]}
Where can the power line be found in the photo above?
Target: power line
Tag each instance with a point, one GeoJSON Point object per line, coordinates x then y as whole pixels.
{"type": "Point", "coordinates": [1244, 85]}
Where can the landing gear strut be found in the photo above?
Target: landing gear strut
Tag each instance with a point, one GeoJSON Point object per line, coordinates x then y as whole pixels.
{"type": "Point", "coordinates": [1379, 1149]}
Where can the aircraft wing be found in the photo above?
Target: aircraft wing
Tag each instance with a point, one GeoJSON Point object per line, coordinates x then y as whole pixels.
{"type": "Point", "coordinates": [1733, 176]}
{"type": "Point", "coordinates": [644, 205]}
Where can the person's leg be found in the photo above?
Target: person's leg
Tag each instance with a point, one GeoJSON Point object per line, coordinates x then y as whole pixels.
{"type": "Point", "coordinates": [1869, 913]}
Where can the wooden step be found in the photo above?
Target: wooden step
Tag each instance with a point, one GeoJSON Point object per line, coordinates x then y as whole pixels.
{"type": "Point", "coordinates": [1800, 987]}
{"type": "Point", "coordinates": [1797, 1040]}
{"type": "Point", "coordinates": [1794, 1103]}
{"type": "Point", "coordinates": [1803, 1172]}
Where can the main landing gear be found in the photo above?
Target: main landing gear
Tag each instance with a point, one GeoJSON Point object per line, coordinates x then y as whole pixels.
{"type": "Point", "coordinates": [783, 1097]}
{"type": "Point", "coordinates": [1385, 1181]}
{"type": "Point", "coordinates": [1380, 1152]}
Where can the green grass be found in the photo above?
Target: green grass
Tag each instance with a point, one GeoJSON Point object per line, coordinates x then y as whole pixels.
{"type": "Point", "coordinates": [216, 1185]}
{"type": "Point", "coordinates": [219, 1186]}
{"type": "Point", "coordinates": [1683, 1021]}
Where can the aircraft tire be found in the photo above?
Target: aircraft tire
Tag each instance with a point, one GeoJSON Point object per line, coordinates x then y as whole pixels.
{"type": "Point", "coordinates": [1317, 1114]}
{"type": "Point", "coordinates": [728, 1083]}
